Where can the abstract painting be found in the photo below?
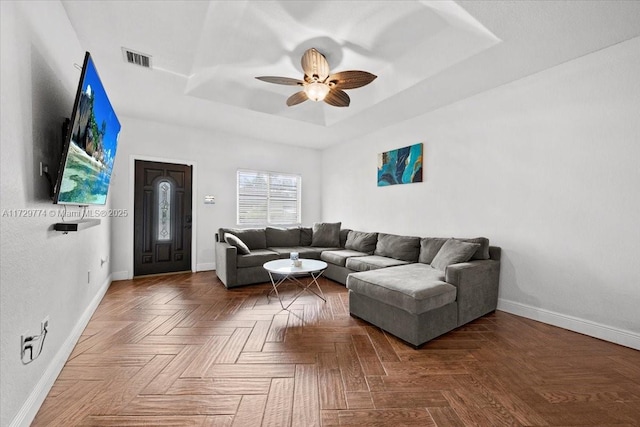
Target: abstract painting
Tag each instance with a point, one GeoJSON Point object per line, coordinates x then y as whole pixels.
{"type": "Point", "coordinates": [400, 166]}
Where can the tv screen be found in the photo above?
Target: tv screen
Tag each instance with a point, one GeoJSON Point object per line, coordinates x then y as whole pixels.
{"type": "Point", "coordinates": [89, 145]}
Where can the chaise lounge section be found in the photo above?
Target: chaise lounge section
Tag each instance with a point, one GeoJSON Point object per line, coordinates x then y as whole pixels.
{"type": "Point", "coordinates": [418, 302]}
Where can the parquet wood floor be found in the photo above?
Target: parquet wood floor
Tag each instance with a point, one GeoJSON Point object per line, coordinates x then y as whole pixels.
{"type": "Point", "coordinates": [181, 350]}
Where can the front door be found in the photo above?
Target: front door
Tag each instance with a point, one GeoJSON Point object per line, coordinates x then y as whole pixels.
{"type": "Point", "coordinates": [162, 218]}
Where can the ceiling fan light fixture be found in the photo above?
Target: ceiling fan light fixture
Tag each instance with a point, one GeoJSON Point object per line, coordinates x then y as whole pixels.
{"type": "Point", "coordinates": [316, 91]}
{"type": "Point", "coordinates": [319, 84]}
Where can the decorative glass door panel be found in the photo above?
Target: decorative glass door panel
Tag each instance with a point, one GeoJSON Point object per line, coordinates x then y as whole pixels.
{"type": "Point", "coordinates": [164, 210]}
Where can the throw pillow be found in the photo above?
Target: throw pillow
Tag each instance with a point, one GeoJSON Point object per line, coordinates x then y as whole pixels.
{"type": "Point", "coordinates": [361, 241]}
{"type": "Point", "coordinates": [452, 252]}
{"type": "Point", "coordinates": [254, 238]}
{"type": "Point", "coordinates": [326, 235]}
{"type": "Point", "coordinates": [235, 241]}
{"type": "Point", "coordinates": [405, 248]}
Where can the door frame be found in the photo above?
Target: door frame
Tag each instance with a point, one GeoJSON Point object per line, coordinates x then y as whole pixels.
{"type": "Point", "coordinates": [132, 191]}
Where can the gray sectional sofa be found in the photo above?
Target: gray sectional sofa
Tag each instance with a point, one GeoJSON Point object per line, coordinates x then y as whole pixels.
{"type": "Point", "coordinates": [238, 266]}
{"type": "Point", "coordinates": [415, 288]}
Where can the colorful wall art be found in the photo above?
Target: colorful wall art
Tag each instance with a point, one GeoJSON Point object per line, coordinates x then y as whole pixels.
{"type": "Point", "coordinates": [400, 166]}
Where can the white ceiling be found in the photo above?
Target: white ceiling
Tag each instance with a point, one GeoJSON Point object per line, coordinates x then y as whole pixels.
{"type": "Point", "coordinates": [205, 55]}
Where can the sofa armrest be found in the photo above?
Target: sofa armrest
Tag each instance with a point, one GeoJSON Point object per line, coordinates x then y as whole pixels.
{"type": "Point", "coordinates": [477, 284]}
{"type": "Point", "coordinates": [226, 266]}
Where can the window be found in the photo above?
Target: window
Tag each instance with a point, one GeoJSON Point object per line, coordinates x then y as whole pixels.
{"type": "Point", "coordinates": [268, 198]}
{"type": "Point", "coordinates": [164, 210]}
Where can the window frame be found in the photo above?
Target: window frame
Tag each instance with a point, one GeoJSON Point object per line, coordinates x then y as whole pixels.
{"type": "Point", "coordinates": [269, 197]}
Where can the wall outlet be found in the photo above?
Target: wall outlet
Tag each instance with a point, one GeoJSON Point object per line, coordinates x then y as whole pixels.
{"type": "Point", "coordinates": [31, 345]}
{"type": "Point", "coordinates": [26, 347]}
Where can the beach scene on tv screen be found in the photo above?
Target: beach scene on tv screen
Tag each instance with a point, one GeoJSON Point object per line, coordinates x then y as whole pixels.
{"type": "Point", "coordinates": [94, 136]}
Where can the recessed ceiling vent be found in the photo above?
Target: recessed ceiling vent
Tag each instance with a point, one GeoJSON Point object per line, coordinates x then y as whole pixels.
{"type": "Point", "coordinates": [136, 58]}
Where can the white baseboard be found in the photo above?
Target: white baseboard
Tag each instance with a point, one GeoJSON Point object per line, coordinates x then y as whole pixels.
{"type": "Point", "coordinates": [31, 406]}
{"type": "Point", "coordinates": [124, 275]}
{"type": "Point", "coordinates": [207, 266]}
{"type": "Point", "coordinates": [587, 327]}
{"type": "Point", "coordinates": [120, 275]}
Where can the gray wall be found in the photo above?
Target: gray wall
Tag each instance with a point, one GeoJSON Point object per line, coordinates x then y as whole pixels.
{"type": "Point", "coordinates": [43, 272]}
{"type": "Point", "coordinates": [546, 167]}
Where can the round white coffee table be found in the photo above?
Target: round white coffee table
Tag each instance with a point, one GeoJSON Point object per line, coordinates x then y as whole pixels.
{"type": "Point", "coordinates": [281, 270]}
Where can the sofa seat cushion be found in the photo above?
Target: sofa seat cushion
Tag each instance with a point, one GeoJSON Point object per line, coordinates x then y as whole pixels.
{"type": "Point", "coordinates": [256, 258]}
{"type": "Point", "coordinates": [372, 262]}
{"type": "Point", "coordinates": [415, 288]}
{"type": "Point", "coordinates": [340, 257]}
{"type": "Point", "coordinates": [308, 252]}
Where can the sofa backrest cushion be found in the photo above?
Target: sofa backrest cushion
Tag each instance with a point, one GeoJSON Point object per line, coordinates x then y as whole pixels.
{"type": "Point", "coordinates": [306, 235]}
{"type": "Point", "coordinates": [483, 251]}
{"type": "Point", "coordinates": [361, 241]}
{"type": "Point", "coordinates": [239, 244]}
{"type": "Point", "coordinates": [344, 233]}
{"type": "Point", "coordinates": [254, 238]}
{"type": "Point", "coordinates": [454, 251]}
{"type": "Point", "coordinates": [429, 247]}
{"type": "Point", "coordinates": [282, 237]}
{"type": "Point", "coordinates": [405, 248]}
{"type": "Point", "coordinates": [326, 234]}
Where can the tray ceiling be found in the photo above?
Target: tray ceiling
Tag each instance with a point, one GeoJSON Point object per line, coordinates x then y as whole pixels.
{"type": "Point", "coordinates": [205, 55]}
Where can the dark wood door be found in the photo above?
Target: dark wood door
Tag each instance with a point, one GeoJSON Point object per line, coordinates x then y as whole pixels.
{"type": "Point", "coordinates": [162, 218]}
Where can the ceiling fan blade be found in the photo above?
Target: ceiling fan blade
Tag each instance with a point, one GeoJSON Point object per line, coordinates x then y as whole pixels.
{"type": "Point", "coordinates": [314, 64]}
{"type": "Point", "coordinates": [281, 80]}
{"type": "Point", "coordinates": [337, 98]}
{"type": "Point", "coordinates": [297, 98]}
{"type": "Point", "coordinates": [350, 79]}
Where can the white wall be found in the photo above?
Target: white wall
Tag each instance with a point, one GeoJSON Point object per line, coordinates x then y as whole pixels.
{"type": "Point", "coordinates": [547, 167]}
{"type": "Point", "coordinates": [43, 272]}
{"type": "Point", "coordinates": [217, 156]}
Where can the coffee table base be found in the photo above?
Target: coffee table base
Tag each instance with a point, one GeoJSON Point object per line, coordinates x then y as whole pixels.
{"type": "Point", "coordinates": [277, 281]}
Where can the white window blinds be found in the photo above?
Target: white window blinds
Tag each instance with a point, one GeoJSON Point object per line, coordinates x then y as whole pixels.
{"type": "Point", "coordinates": [268, 198]}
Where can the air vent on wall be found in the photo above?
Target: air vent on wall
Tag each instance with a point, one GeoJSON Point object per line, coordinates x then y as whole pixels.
{"type": "Point", "coordinates": [136, 58]}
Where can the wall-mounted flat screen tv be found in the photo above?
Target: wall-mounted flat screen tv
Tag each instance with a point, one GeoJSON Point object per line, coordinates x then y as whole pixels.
{"type": "Point", "coordinates": [89, 145]}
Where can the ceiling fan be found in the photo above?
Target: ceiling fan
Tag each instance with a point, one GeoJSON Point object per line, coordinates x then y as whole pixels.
{"type": "Point", "coordinates": [319, 85]}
